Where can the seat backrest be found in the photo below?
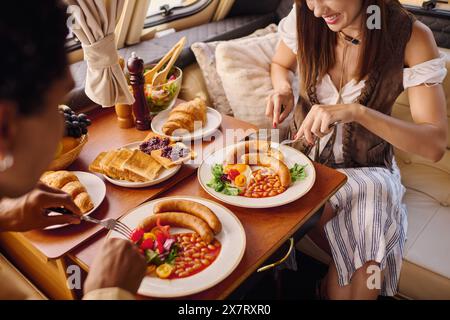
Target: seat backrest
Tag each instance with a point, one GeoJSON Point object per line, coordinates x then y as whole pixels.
{"type": "Point", "coordinates": [284, 8]}
{"type": "Point", "coordinates": [402, 111]}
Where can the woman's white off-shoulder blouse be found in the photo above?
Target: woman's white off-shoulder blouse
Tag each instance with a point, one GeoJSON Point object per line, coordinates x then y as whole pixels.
{"type": "Point", "coordinates": [428, 72]}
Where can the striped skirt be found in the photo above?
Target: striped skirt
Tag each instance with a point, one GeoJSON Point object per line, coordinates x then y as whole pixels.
{"type": "Point", "coordinates": [370, 224]}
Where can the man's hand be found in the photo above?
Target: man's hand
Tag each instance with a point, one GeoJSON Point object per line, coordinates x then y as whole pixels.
{"type": "Point", "coordinates": [29, 211]}
{"type": "Point", "coordinates": [118, 265]}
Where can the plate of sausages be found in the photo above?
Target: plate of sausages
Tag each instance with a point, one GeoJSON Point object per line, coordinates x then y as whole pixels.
{"type": "Point", "coordinates": [257, 174]}
{"type": "Point", "coordinates": [190, 244]}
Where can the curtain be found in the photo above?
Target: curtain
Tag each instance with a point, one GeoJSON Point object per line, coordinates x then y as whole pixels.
{"type": "Point", "coordinates": [223, 9]}
{"type": "Point", "coordinates": [95, 22]}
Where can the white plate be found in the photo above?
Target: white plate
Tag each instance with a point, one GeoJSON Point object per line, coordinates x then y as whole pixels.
{"type": "Point", "coordinates": [232, 238]}
{"type": "Point", "coordinates": [164, 175]}
{"type": "Point", "coordinates": [94, 186]}
{"type": "Point", "coordinates": [214, 119]}
{"type": "Point", "coordinates": [294, 192]}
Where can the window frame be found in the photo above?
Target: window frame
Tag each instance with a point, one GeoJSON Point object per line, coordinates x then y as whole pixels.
{"type": "Point", "coordinates": [436, 12]}
{"type": "Point", "coordinates": [73, 44]}
{"type": "Point", "coordinates": [179, 13]}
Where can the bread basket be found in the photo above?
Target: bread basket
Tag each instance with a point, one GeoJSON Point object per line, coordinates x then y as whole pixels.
{"type": "Point", "coordinates": [66, 159]}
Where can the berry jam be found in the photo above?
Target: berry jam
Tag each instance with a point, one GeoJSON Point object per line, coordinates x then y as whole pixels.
{"type": "Point", "coordinates": [154, 143]}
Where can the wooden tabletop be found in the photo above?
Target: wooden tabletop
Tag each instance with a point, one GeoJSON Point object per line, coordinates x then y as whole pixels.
{"type": "Point", "coordinates": [104, 134]}
{"type": "Point", "coordinates": [266, 229]}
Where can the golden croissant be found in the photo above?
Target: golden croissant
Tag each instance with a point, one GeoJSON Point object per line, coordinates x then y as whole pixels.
{"type": "Point", "coordinates": [69, 183]}
{"type": "Point", "coordinates": [185, 115]}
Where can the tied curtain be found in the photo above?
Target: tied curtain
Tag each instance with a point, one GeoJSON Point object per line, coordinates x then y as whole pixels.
{"type": "Point", "coordinates": [95, 23]}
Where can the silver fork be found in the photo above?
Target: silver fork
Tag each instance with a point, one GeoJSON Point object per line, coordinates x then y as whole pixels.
{"type": "Point", "coordinates": [111, 224]}
{"type": "Point", "coordinates": [287, 141]}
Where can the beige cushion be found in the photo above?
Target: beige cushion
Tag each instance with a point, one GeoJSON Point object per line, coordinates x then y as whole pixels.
{"type": "Point", "coordinates": [14, 286]}
{"type": "Point", "coordinates": [419, 283]}
{"type": "Point", "coordinates": [194, 85]}
{"type": "Point", "coordinates": [244, 67]}
{"type": "Point", "coordinates": [205, 53]}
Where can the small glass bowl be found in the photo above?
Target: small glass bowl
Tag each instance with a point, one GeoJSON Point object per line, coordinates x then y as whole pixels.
{"type": "Point", "coordinates": [162, 97]}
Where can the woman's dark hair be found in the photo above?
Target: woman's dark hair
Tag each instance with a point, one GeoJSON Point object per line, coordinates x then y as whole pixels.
{"type": "Point", "coordinates": [316, 43]}
{"type": "Point", "coordinates": [32, 37]}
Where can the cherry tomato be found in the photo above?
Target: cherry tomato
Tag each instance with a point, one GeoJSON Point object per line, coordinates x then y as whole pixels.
{"type": "Point", "coordinates": [150, 269]}
{"type": "Point", "coordinates": [137, 235]}
{"type": "Point", "coordinates": [160, 239]}
{"type": "Point", "coordinates": [149, 235]}
{"type": "Point", "coordinates": [164, 271]}
{"type": "Point", "coordinates": [147, 244]}
{"type": "Point", "coordinates": [233, 173]}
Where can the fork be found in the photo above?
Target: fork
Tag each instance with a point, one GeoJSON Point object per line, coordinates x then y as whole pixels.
{"type": "Point", "coordinates": [287, 141]}
{"type": "Point", "coordinates": [110, 224]}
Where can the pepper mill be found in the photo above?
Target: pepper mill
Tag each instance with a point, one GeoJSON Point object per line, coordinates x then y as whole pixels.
{"type": "Point", "coordinates": [140, 108]}
{"type": "Point", "coordinates": [124, 112]}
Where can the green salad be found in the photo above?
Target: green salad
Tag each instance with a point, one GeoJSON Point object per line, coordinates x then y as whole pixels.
{"type": "Point", "coordinates": [221, 183]}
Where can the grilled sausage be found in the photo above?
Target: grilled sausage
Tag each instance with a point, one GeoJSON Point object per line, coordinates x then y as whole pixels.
{"type": "Point", "coordinates": [179, 219]}
{"type": "Point", "coordinates": [266, 161]}
{"type": "Point", "coordinates": [191, 207]}
{"type": "Point", "coordinates": [252, 146]}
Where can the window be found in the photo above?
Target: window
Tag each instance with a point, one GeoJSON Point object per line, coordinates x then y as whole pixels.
{"type": "Point", "coordinates": [163, 11]}
{"type": "Point", "coordinates": [432, 5]}
{"type": "Point", "coordinates": [72, 42]}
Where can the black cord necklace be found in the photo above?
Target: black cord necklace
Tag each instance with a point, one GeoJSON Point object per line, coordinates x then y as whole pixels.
{"type": "Point", "coordinates": [352, 40]}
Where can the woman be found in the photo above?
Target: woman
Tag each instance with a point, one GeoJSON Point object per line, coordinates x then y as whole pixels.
{"type": "Point", "coordinates": [350, 75]}
{"type": "Point", "coordinates": [34, 80]}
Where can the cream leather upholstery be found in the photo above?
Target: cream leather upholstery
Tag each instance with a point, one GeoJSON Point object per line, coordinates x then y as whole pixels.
{"type": "Point", "coordinates": [426, 267]}
{"type": "Point", "coordinates": [14, 285]}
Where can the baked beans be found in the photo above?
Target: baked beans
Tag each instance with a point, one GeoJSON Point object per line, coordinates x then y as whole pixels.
{"type": "Point", "coordinates": [264, 185]}
{"type": "Point", "coordinates": [194, 255]}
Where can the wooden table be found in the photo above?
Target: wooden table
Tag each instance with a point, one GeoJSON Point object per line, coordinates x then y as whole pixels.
{"type": "Point", "coordinates": [266, 229]}
{"type": "Point", "coordinates": [44, 256]}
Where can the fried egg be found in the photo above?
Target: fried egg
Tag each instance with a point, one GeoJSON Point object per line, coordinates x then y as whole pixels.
{"type": "Point", "coordinates": [242, 180]}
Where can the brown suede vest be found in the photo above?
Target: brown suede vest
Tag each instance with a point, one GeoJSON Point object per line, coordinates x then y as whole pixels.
{"type": "Point", "coordinates": [361, 148]}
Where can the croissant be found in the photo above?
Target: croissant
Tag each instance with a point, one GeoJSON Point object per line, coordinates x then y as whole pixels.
{"type": "Point", "coordinates": [185, 115]}
{"type": "Point", "coordinates": [69, 183]}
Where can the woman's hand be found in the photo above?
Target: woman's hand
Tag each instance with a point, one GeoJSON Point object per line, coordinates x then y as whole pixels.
{"type": "Point", "coordinates": [321, 117]}
{"type": "Point", "coordinates": [29, 212]}
{"type": "Point", "coordinates": [279, 105]}
{"type": "Point", "coordinates": [118, 265]}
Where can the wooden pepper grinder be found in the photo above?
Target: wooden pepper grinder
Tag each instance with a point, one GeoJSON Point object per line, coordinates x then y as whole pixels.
{"type": "Point", "coordinates": [140, 108]}
{"type": "Point", "coordinates": [124, 112]}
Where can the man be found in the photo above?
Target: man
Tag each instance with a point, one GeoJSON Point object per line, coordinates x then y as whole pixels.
{"type": "Point", "coordinates": [35, 78]}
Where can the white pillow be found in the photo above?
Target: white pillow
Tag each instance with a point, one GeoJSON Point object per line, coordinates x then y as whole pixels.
{"type": "Point", "coordinates": [244, 68]}
{"type": "Point", "coordinates": [205, 53]}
